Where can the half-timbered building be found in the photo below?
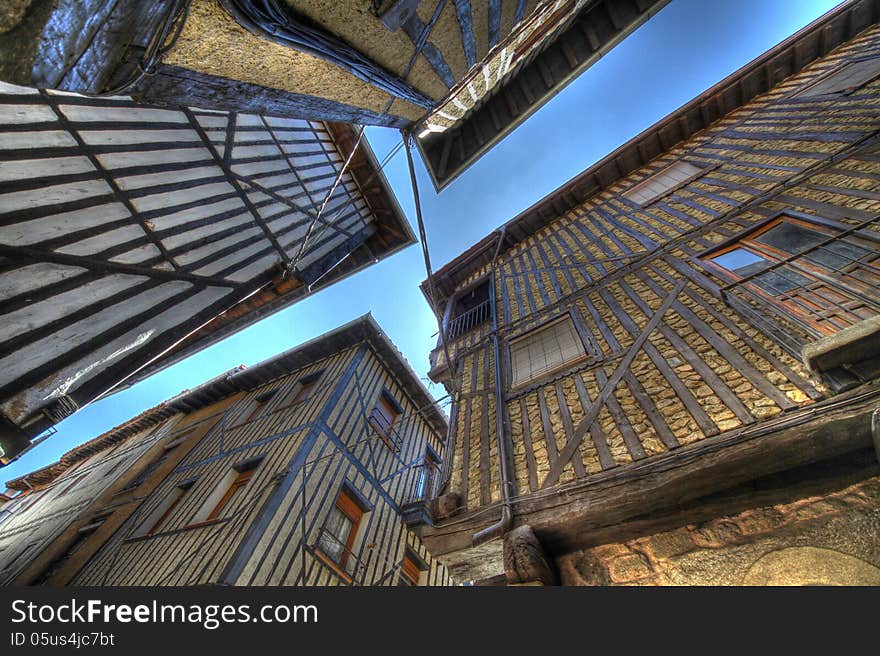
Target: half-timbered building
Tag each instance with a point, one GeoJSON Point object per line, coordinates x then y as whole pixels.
{"type": "Point", "coordinates": [64, 511]}
{"type": "Point", "coordinates": [132, 236]}
{"type": "Point", "coordinates": [666, 371]}
{"type": "Point", "coordinates": [305, 469]}
{"type": "Point", "coordinates": [459, 73]}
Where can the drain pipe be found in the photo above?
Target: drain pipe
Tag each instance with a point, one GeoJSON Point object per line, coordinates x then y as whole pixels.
{"type": "Point", "coordinates": [499, 528]}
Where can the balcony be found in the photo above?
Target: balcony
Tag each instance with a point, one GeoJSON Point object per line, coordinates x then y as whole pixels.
{"type": "Point", "coordinates": [336, 556]}
{"type": "Point", "coordinates": [426, 479]}
{"type": "Point", "coordinates": [468, 320]}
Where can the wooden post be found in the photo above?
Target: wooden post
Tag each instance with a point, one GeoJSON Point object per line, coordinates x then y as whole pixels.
{"type": "Point", "coordinates": [525, 560]}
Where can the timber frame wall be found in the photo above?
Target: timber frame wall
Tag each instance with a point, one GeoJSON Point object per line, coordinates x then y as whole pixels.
{"type": "Point", "coordinates": [675, 365]}
{"type": "Point", "coordinates": [58, 500]}
{"type": "Point", "coordinates": [132, 236]}
{"type": "Point", "coordinates": [61, 559]}
{"type": "Point", "coordinates": [308, 451]}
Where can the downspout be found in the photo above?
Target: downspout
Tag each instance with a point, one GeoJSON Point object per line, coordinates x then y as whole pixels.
{"type": "Point", "coordinates": [499, 528]}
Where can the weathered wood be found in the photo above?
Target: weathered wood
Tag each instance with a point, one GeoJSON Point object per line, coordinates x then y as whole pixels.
{"type": "Point", "coordinates": [444, 506]}
{"type": "Point", "coordinates": [684, 394]}
{"type": "Point", "coordinates": [667, 480]}
{"type": "Point", "coordinates": [568, 428]}
{"type": "Point", "coordinates": [524, 558]}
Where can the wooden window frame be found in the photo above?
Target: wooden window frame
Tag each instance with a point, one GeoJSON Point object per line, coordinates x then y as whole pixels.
{"type": "Point", "coordinates": [448, 317]}
{"type": "Point", "coordinates": [262, 402]}
{"type": "Point", "coordinates": [410, 576]}
{"type": "Point", "coordinates": [246, 471]}
{"type": "Point", "coordinates": [310, 380]}
{"type": "Point", "coordinates": [82, 535]}
{"type": "Point", "coordinates": [584, 357]}
{"type": "Point", "coordinates": [180, 490]}
{"type": "Point", "coordinates": [798, 93]}
{"type": "Point", "coordinates": [351, 504]}
{"type": "Point", "coordinates": [430, 460]}
{"type": "Point", "coordinates": [742, 239]}
{"type": "Point", "coordinates": [386, 433]}
{"type": "Point", "coordinates": [156, 462]}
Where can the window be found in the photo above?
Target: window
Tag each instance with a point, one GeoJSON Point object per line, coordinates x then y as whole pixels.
{"type": "Point", "coordinates": [244, 473]}
{"type": "Point", "coordinates": [340, 528]}
{"type": "Point", "coordinates": [545, 350]}
{"type": "Point", "coordinates": [661, 183]}
{"type": "Point", "coordinates": [843, 79]}
{"type": "Point", "coordinates": [304, 388]}
{"type": "Point", "coordinates": [156, 462]}
{"type": "Point", "coordinates": [470, 309]}
{"type": "Point", "coordinates": [259, 404]}
{"type": "Point", "coordinates": [426, 477]}
{"type": "Point", "coordinates": [823, 275]}
{"type": "Point", "coordinates": [411, 569]}
{"type": "Point", "coordinates": [164, 511]}
{"type": "Point", "coordinates": [382, 419]}
{"type": "Point", "coordinates": [81, 536]}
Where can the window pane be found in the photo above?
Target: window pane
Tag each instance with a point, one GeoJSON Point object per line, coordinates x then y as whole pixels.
{"type": "Point", "coordinates": [335, 536]}
{"type": "Point", "coordinates": [781, 281]}
{"type": "Point", "coordinates": [791, 238]}
{"type": "Point", "coordinates": [794, 239]}
{"type": "Point", "coordinates": [741, 261]}
{"type": "Point", "coordinates": [852, 75]}
{"type": "Point", "coordinates": [658, 184]}
{"type": "Point", "coordinates": [837, 255]}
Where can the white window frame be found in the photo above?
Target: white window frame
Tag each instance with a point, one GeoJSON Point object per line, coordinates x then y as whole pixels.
{"type": "Point", "coordinates": [636, 193]}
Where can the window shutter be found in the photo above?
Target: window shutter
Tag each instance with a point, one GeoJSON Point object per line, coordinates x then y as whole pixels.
{"type": "Point", "coordinates": [649, 190]}
{"type": "Point", "coordinates": [545, 350]}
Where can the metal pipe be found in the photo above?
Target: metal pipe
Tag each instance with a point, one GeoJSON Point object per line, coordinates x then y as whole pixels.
{"type": "Point", "coordinates": [499, 528]}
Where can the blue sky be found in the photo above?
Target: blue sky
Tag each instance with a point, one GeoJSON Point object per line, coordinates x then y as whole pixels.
{"type": "Point", "coordinates": [679, 53]}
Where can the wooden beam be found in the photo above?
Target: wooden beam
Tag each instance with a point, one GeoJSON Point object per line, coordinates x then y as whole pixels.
{"type": "Point", "coordinates": [623, 366]}
{"type": "Point", "coordinates": [298, 32]}
{"type": "Point", "coordinates": [592, 512]}
{"type": "Point", "coordinates": [494, 23]}
{"type": "Point", "coordinates": [525, 560]}
{"type": "Point", "coordinates": [465, 22]}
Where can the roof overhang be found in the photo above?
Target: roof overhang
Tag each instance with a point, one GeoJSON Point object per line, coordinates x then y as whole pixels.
{"type": "Point", "coordinates": [392, 234]}
{"type": "Point", "coordinates": [579, 41]}
{"type": "Point", "coordinates": [361, 330]}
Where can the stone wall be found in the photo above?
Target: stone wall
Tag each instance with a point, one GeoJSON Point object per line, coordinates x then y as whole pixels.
{"type": "Point", "coordinates": [828, 539]}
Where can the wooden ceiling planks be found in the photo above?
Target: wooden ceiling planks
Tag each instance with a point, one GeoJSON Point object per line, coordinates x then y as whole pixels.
{"type": "Point", "coordinates": [562, 53]}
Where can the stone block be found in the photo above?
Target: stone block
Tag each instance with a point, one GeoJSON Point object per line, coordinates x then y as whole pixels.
{"type": "Point", "coordinates": [629, 568]}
